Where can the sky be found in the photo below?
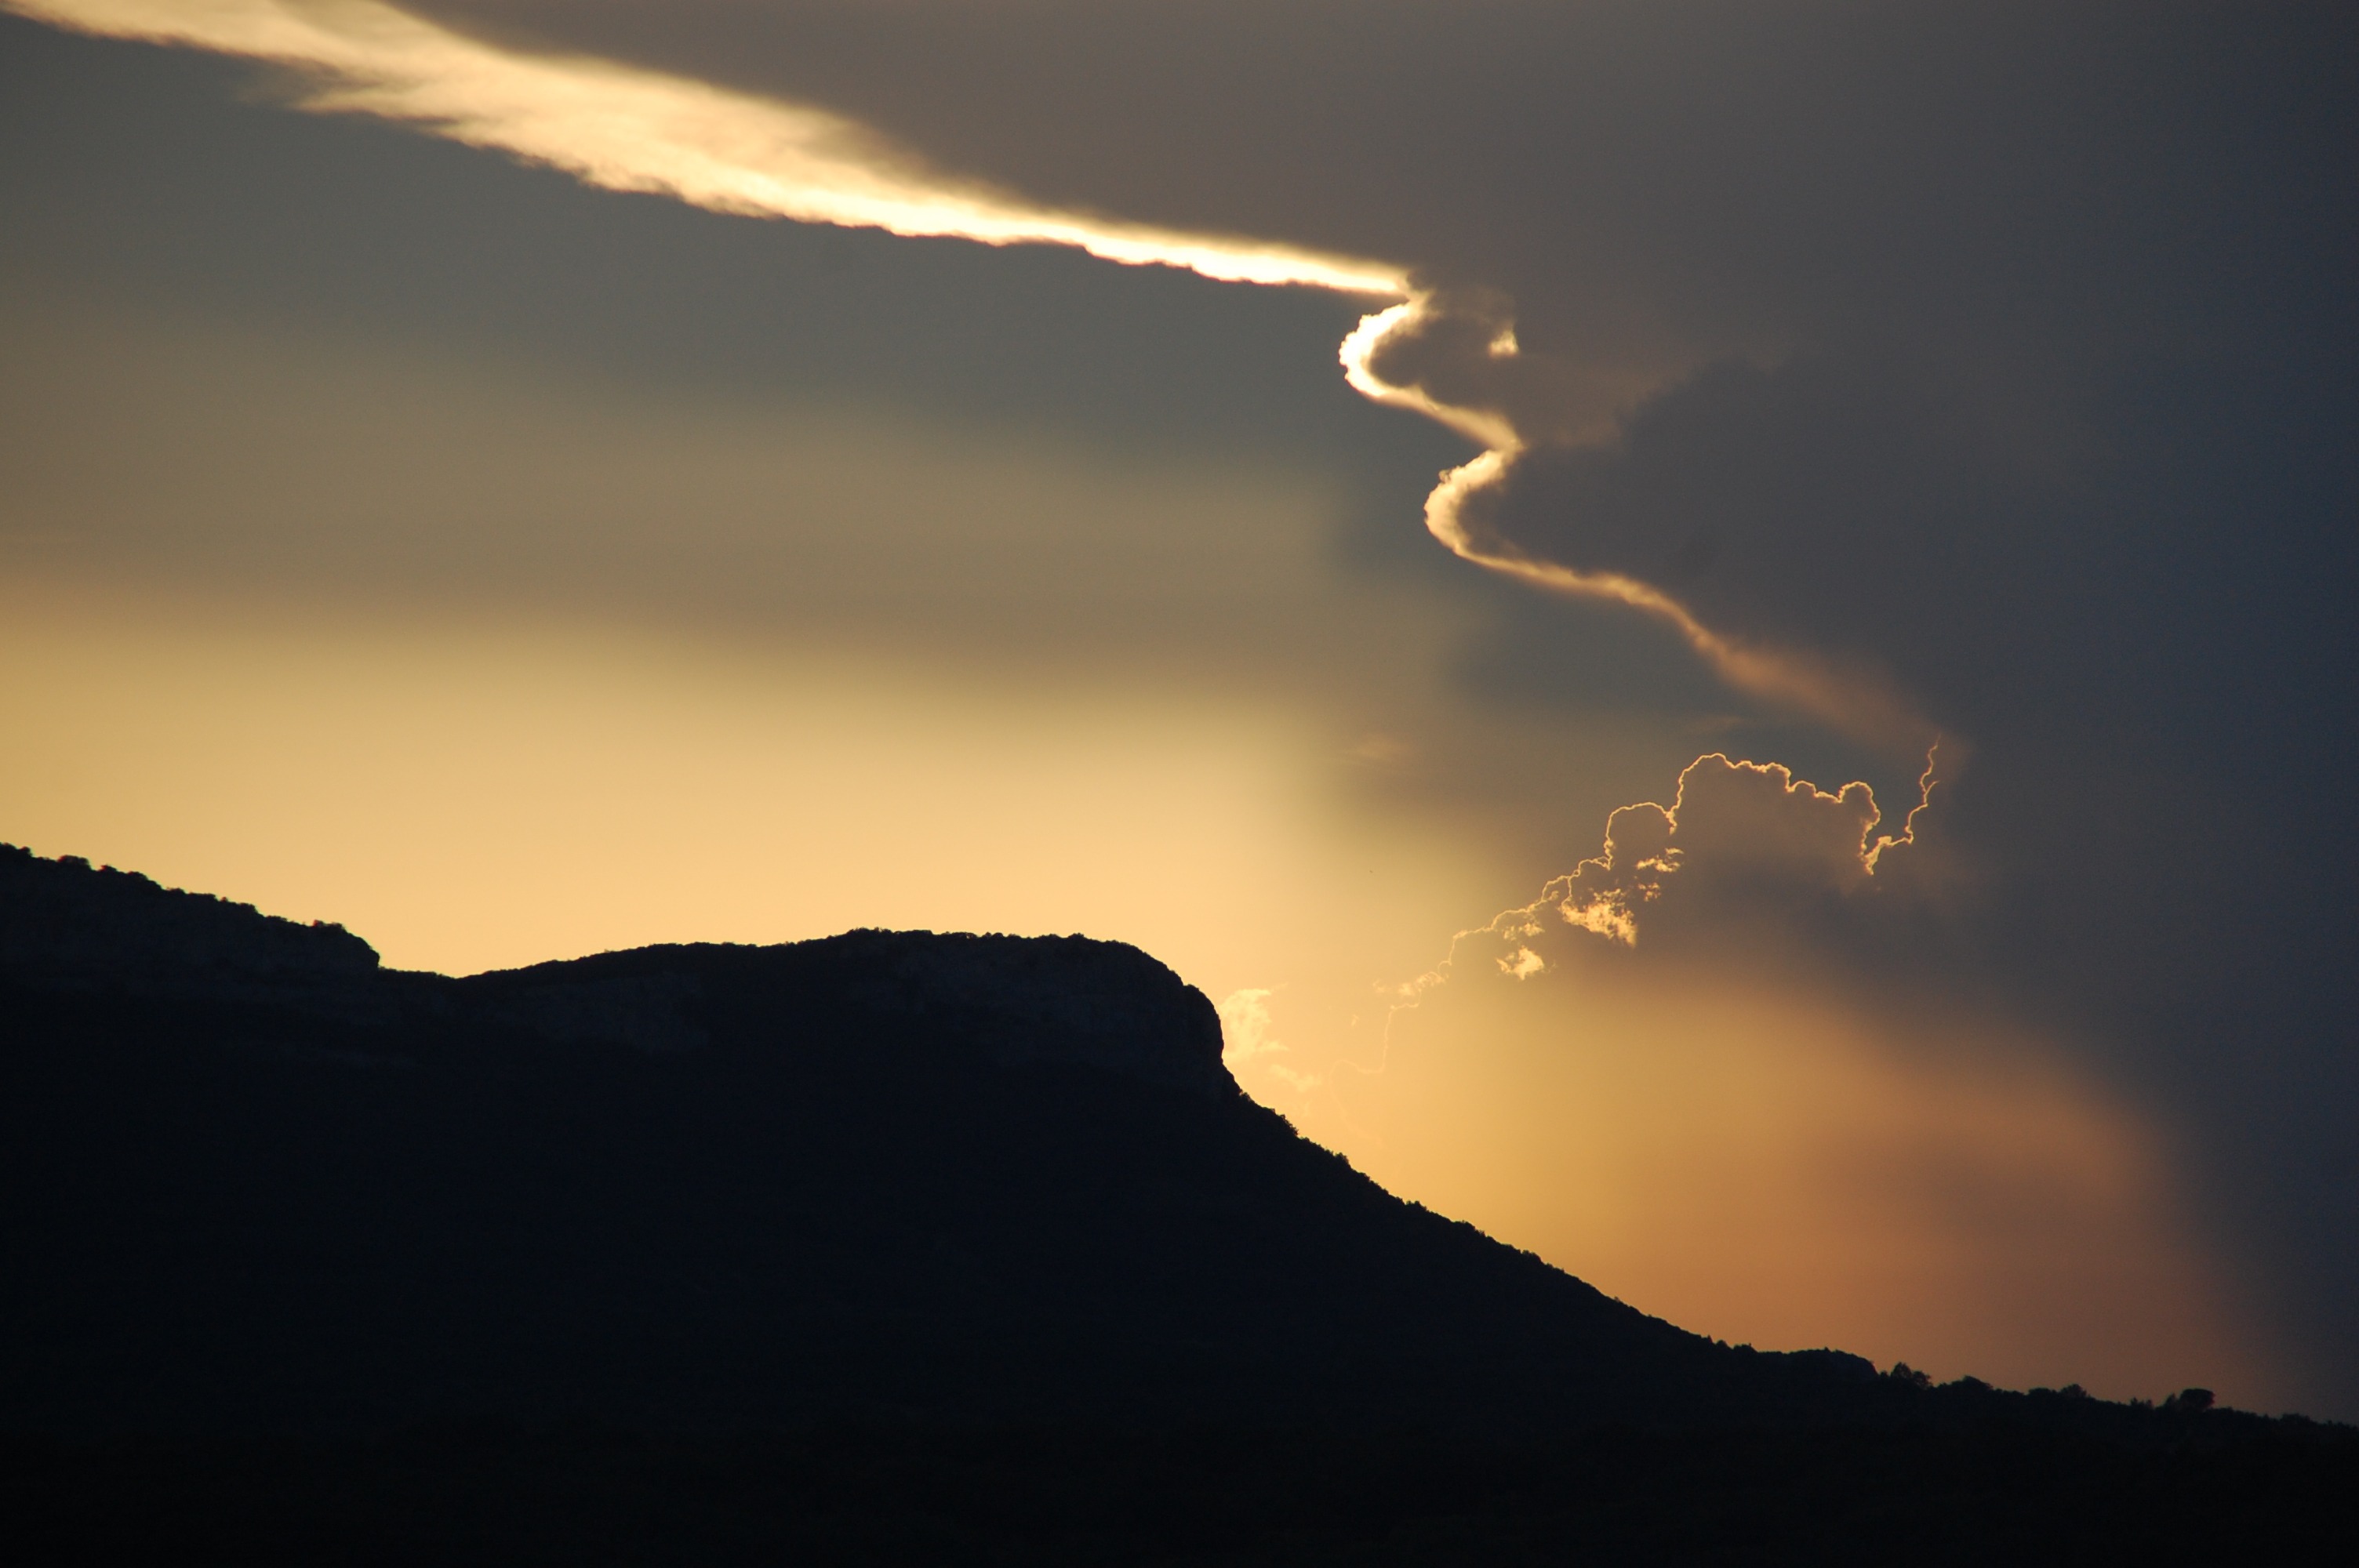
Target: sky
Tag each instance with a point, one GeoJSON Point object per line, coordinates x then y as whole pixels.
{"type": "Point", "coordinates": [1721, 629]}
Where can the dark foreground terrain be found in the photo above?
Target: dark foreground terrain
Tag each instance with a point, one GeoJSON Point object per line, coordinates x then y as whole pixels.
{"type": "Point", "coordinates": [890, 1246]}
{"type": "Point", "coordinates": [2003, 1493]}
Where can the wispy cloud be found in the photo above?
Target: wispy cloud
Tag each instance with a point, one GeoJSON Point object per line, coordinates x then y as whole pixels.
{"type": "Point", "coordinates": [627, 128]}
{"type": "Point", "coordinates": [1452, 357]}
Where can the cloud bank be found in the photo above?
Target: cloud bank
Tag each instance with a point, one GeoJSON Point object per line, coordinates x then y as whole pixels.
{"type": "Point", "coordinates": [1450, 354]}
{"type": "Point", "coordinates": [1862, 329]}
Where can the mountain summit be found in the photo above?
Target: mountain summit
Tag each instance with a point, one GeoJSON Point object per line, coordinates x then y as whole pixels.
{"type": "Point", "coordinates": [265, 1183]}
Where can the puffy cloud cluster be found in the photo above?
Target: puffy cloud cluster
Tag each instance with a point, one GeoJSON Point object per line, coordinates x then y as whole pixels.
{"type": "Point", "coordinates": [1744, 849]}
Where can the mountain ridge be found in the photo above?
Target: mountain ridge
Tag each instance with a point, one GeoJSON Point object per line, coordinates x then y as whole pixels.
{"type": "Point", "coordinates": [831, 1130]}
{"type": "Point", "coordinates": [881, 1248]}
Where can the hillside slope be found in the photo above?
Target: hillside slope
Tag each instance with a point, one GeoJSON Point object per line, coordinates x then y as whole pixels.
{"type": "Point", "coordinates": [883, 1248]}
{"type": "Point", "coordinates": [261, 1184]}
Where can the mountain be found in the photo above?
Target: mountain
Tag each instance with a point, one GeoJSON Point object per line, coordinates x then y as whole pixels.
{"type": "Point", "coordinates": [274, 1186]}
{"type": "Point", "coordinates": [949, 1189]}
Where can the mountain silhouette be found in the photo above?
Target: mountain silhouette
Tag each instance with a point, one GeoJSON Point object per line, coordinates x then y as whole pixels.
{"type": "Point", "coordinates": [262, 1191]}
{"type": "Point", "coordinates": [963, 1176]}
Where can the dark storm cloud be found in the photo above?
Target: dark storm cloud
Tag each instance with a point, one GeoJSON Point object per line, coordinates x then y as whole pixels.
{"type": "Point", "coordinates": [1641, 179]}
{"type": "Point", "coordinates": [1920, 321]}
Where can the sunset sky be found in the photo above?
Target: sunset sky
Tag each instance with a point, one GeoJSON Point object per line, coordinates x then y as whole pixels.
{"type": "Point", "coordinates": [1723, 630]}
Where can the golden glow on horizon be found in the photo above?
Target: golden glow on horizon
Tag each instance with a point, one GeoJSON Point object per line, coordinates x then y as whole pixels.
{"type": "Point", "coordinates": [475, 791]}
{"type": "Point", "coordinates": [1769, 1164]}
{"type": "Point", "coordinates": [1763, 1161]}
{"type": "Point", "coordinates": [1748, 1140]}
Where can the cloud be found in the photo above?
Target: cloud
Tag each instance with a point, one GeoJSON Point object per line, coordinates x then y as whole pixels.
{"type": "Point", "coordinates": [1452, 355]}
{"type": "Point", "coordinates": [1448, 354]}
{"type": "Point", "coordinates": [1743, 847]}
{"type": "Point", "coordinates": [626, 128]}
{"type": "Point", "coordinates": [339, 464]}
{"type": "Point", "coordinates": [2061, 222]}
{"type": "Point", "coordinates": [1455, 358]}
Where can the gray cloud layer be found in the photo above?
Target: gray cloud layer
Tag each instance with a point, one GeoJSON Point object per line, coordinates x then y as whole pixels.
{"type": "Point", "coordinates": [1896, 303]}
